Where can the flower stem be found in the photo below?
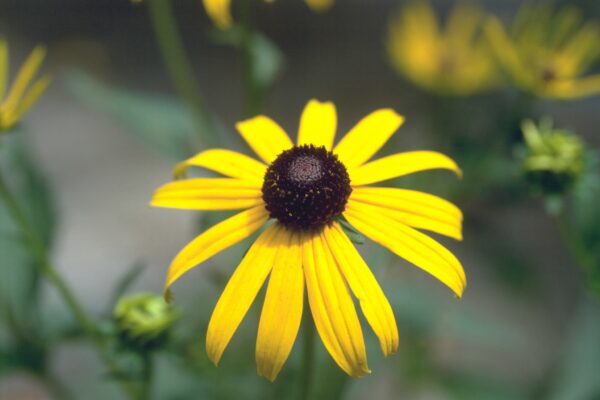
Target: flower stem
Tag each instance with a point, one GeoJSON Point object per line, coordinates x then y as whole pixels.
{"type": "Point", "coordinates": [253, 96]}
{"type": "Point", "coordinates": [148, 371]}
{"type": "Point", "coordinates": [39, 253]}
{"type": "Point", "coordinates": [49, 271]}
{"type": "Point", "coordinates": [308, 356]}
{"type": "Point", "coordinates": [179, 66]}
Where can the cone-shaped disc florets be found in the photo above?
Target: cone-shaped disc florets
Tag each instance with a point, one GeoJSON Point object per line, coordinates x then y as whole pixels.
{"type": "Point", "coordinates": [306, 187]}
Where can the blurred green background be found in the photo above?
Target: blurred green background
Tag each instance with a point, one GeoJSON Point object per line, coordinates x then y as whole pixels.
{"type": "Point", "coordinates": [111, 127]}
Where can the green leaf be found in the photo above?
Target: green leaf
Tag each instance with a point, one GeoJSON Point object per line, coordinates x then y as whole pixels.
{"type": "Point", "coordinates": [163, 123]}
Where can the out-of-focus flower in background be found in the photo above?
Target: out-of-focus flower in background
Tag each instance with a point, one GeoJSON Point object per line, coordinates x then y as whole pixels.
{"type": "Point", "coordinates": [453, 60]}
{"type": "Point", "coordinates": [24, 91]}
{"type": "Point", "coordinates": [220, 10]}
{"type": "Point", "coordinates": [554, 158]}
{"type": "Point", "coordinates": [144, 320]}
{"type": "Point", "coordinates": [306, 189]}
{"type": "Point", "coordinates": [546, 51]}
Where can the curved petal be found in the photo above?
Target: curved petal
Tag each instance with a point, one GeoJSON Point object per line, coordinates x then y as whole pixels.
{"type": "Point", "coordinates": [208, 194]}
{"type": "Point", "coordinates": [374, 304]}
{"type": "Point", "coordinates": [219, 12]}
{"type": "Point", "coordinates": [318, 124]}
{"type": "Point", "coordinates": [367, 137]}
{"type": "Point", "coordinates": [217, 238]}
{"type": "Point", "coordinates": [282, 310]}
{"type": "Point", "coordinates": [416, 209]}
{"type": "Point", "coordinates": [265, 137]}
{"type": "Point", "coordinates": [241, 290]}
{"type": "Point", "coordinates": [332, 307]}
{"type": "Point", "coordinates": [25, 76]}
{"type": "Point", "coordinates": [225, 162]}
{"type": "Point", "coordinates": [401, 164]}
{"type": "Point", "coordinates": [409, 244]}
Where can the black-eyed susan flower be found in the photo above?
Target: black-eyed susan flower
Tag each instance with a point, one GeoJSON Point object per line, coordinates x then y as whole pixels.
{"type": "Point", "coordinates": [24, 91]}
{"type": "Point", "coordinates": [547, 51]}
{"type": "Point", "coordinates": [304, 188]}
{"type": "Point", "coordinates": [453, 60]}
{"type": "Point", "coordinates": [219, 11]}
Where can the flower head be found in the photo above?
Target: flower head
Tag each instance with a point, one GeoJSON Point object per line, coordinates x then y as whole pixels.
{"type": "Point", "coordinates": [305, 188]}
{"type": "Point", "coordinates": [144, 320]}
{"type": "Point", "coordinates": [554, 158]}
{"type": "Point", "coordinates": [220, 10]}
{"type": "Point", "coordinates": [547, 51]}
{"type": "Point", "coordinates": [454, 60]}
{"type": "Point", "coordinates": [23, 93]}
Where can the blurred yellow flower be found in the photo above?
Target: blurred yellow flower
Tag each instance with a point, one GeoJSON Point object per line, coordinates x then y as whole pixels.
{"type": "Point", "coordinates": [305, 188]}
{"type": "Point", "coordinates": [220, 10]}
{"type": "Point", "coordinates": [23, 93]}
{"type": "Point", "coordinates": [450, 61]}
{"type": "Point", "coordinates": [547, 51]}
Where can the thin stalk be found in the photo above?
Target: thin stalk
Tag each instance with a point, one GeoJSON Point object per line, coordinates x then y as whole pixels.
{"type": "Point", "coordinates": [308, 356]}
{"type": "Point", "coordinates": [148, 372]}
{"type": "Point", "coordinates": [42, 260]}
{"type": "Point", "coordinates": [253, 96]}
{"type": "Point", "coordinates": [179, 66]}
{"type": "Point", "coordinates": [49, 271]}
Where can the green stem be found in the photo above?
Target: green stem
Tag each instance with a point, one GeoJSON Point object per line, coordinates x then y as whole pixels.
{"type": "Point", "coordinates": [148, 371]}
{"type": "Point", "coordinates": [308, 356]}
{"type": "Point", "coordinates": [253, 96]}
{"type": "Point", "coordinates": [39, 253]}
{"type": "Point", "coordinates": [49, 271]}
{"type": "Point", "coordinates": [179, 66]}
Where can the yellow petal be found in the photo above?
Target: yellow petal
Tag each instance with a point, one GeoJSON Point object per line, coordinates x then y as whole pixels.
{"type": "Point", "coordinates": [4, 64]}
{"type": "Point", "coordinates": [374, 304]}
{"type": "Point", "coordinates": [367, 137]}
{"type": "Point", "coordinates": [409, 244]}
{"type": "Point", "coordinates": [401, 164]}
{"type": "Point", "coordinates": [219, 12]}
{"type": "Point", "coordinates": [319, 5]}
{"type": "Point", "coordinates": [216, 239]}
{"type": "Point", "coordinates": [31, 96]}
{"type": "Point", "coordinates": [571, 89]}
{"type": "Point", "coordinates": [265, 137]}
{"type": "Point", "coordinates": [208, 194]}
{"type": "Point", "coordinates": [282, 310]}
{"type": "Point", "coordinates": [318, 124]}
{"type": "Point", "coordinates": [25, 75]}
{"type": "Point", "coordinates": [416, 209]}
{"type": "Point", "coordinates": [332, 307]}
{"type": "Point", "coordinates": [225, 162]}
{"type": "Point", "coordinates": [241, 290]}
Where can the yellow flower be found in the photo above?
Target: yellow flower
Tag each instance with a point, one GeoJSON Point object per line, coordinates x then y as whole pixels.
{"type": "Point", "coordinates": [546, 51]}
{"type": "Point", "coordinates": [220, 10]}
{"type": "Point", "coordinates": [23, 93]}
{"type": "Point", "coordinates": [452, 61]}
{"type": "Point", "coordinates": [304, 189]}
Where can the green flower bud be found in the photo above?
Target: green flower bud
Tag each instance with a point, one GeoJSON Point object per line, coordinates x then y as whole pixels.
{"type": "Point", "coordinates": [144, 320]}
{"type": "Point", "coordinates": [553, 159]}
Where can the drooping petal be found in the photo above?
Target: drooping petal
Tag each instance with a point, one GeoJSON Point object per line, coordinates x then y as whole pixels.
{"type": "Point", "coordinates": [265, 137]}
{"type": "Point", "coordinates": [367, 137]}
{"type": "Point", "coordinates": [217, 238]}
{"type": "Point", "coordinates": [208, 194]}
{"type": "Point", "coordinates": [416, 209]}
{"type": "Point", "coordinates": [318, 124]}
{"type": "Point", "coordinates": [374, 304]}
{"type": "Point", "coordinates": [241, 290]}
{"type": "Point", "coordinates": [332, 307]}
{"type": "Point", "coordinates": [226, 162]}
{"type": "Point", "coordinates": [219, 12]}
{"type": "Point", "coordinates": [409, 244]}
{"type": "Point", "coordinates": [31, 96]}
{"type": "Point", "coordinates": [282, 310]}
{"type": "Point", "coordinates": [25, 76]}
{"type": "Point", "coordinates": [400, 164]}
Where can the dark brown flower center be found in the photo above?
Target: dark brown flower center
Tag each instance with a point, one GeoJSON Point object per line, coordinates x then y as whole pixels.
{"type": "Point", "coordinates": [306, 187]}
